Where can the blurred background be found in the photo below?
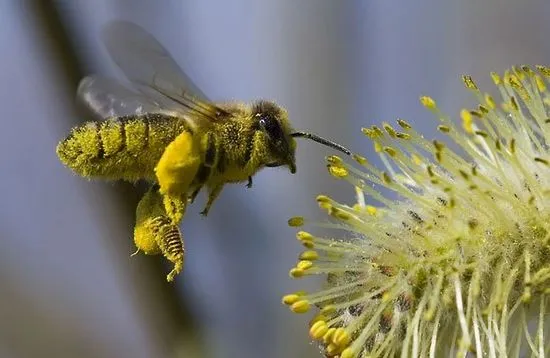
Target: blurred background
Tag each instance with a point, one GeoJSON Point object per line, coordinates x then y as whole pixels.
{"type": "Point", "coordinates": [68, 287]}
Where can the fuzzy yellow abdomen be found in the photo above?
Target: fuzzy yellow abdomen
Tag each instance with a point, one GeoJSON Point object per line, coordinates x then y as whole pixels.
{"type": "Point", "coordinates": [126, 148]}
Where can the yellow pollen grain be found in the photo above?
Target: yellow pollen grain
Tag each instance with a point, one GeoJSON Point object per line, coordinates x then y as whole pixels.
{"type": "Point", "coordinates": [296, 221]}
{"type": "Point", "coordinates": [318, 330]}
{"type": "Point", "coordinates": [428, 102]}
{"type": "Point", "coordinates": [301, 306]}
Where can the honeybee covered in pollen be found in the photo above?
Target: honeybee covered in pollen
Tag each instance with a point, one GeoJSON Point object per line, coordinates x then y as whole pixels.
{"type": "Point", "coordinates": [163, 130]}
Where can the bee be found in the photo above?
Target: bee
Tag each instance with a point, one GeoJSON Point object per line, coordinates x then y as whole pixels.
{"type": "Point", "coordinates": [160, 128]}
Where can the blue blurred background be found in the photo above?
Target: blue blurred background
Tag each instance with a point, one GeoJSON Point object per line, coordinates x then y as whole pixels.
{"type": "Point", "coordinates": [68, 287]}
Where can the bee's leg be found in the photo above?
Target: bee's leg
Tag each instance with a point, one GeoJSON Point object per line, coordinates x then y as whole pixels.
{"type": "Point", "coordinates": [155, 232]}
{"type": "Point", "coordinates": [212, 196]}
{"type": "Point", "coordinates": [194, 194]}
{"type": "Point", "coordinates": [170, 241]}
{"type": "Point", "coordinates": [249, 184]}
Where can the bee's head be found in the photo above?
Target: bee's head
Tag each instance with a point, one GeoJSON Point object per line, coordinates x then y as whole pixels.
{"type": "Point", "coordinates": [280, 146]}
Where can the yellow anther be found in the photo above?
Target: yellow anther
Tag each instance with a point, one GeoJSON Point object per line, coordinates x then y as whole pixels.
{"type": "Point", "coordinates": [404, 136]}
{"type": "Point", "coordinates": [338, 172]}
{"type": "Point", "coordinates": [304, 264]}
{"type": "Point", "coordinates": [296, 272]}
{"type": "Point", "coordinates": [389, 129]}
{"type": "Point", "coordinates": [428, 102]}
{"type": "Point", "coordinates": [335, 160]}
{"type": "Point", "coordinates": [309, 255]}
{"type": "Point", "coordinates": [304, 235]}
{"type": "Point", "coordinates": [369, 133]}
{"type": "Point", "coordinates": [390, 151]}
{"type": "Point", "coordinates": [404, 124]}
{"type": "Point", "coordinates": [438, 145]}
{"type": "Point", "coordinates": [416, 159]}
{"type": "Point", "coordinates": [323, 199]}
{"type": "Point", "coordinates": [513, 146]}
{"type": "Point", "coordinates": [386, 178]}
{"type": "Point", "coordinates": [318, 330]}
{"type": "Point", "coordinates": [541, 86]}
{"type": "Point", "coordinates": [341, 337]}
{"type": "Point", "coordinates": [542, 161]}
{"type": "Point", "coordinates": [291, 298]}
{"type": "Point", "coordinates": [301, 306]}
{"type": "Point", "coordinates": [339, 214]}
{"type": "Point", "coordinates": [544, 70]}
{"type": "Point", "coordinates": [328, 309]}
{"type": "Point", "coordinates": [514, 103]}
{"type": "Point", "coordinates": [378, 147]}
{"type": "Point", "coordinates": [443, 129]}
{"type": "Point", "coordinates": [296, 221]}
{"type": "Point", "coordinates": [469, 83]}
{"type": "Point", "coordinates": [371, 210]}
{"type": "Point", "coordinates": [359, 159]}
{"type": "Point", "coordinates": [328, 336]}
{"type": "Point", "coordinates": [348, 353]}
{"type": "Point", "coordinates": [333, 349]}
{"type": "Point", "coordinates": [496, 78]}
{"type": "Point", "coordinates": [489, 101]}
{"type": "Point", "coordinates": [316, 318]}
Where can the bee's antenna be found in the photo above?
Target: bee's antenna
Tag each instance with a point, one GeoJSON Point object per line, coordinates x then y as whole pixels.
{"type": "Point", "coordinates": [321, 140]}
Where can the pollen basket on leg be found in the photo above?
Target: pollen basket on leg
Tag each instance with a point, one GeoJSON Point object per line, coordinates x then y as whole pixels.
{"type": "Point", "coordinates": [447, 248]}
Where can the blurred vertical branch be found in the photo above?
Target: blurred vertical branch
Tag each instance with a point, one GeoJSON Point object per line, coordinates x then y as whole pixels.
{"type": "Point", "coordinates": [168, 317]}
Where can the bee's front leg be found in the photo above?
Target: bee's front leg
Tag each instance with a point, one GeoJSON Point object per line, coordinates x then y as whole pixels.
{"type": "Point", "coordinates": [249, 184]}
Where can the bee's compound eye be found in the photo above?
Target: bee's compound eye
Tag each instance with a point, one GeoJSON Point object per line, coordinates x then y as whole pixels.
{"type": "Point", "coordinates": [271, 126]}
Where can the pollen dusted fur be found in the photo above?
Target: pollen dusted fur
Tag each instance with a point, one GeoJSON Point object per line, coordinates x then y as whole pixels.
{"type": "Point", "coordinates": [457, 261]}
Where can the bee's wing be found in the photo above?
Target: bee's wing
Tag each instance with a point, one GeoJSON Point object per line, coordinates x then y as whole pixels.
{"type": "Point", "coordinates": [153, 71]}
{"type": "Point", "coordinates": [107, 98]}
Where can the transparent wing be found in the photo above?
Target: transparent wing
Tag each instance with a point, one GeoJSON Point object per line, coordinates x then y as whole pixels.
{"type": "Point", "coordinates": [109, 98]}
{"type": "Point", "coordinates": [153, 71]}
